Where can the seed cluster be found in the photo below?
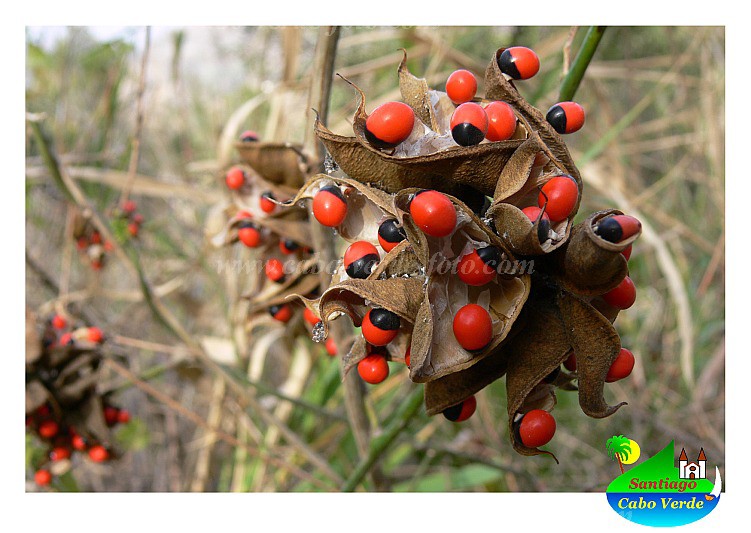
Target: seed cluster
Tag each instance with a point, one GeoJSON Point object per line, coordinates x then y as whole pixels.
{"type": "Point", "coordinates": [64, 409]}
{"type": "Point", "coordinates": [463, 260]}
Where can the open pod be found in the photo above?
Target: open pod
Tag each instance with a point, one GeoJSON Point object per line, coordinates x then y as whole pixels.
{"type": "Point", "coordinates": [302, 278]}
{"type": "Point", "coordinates": [499, 87]}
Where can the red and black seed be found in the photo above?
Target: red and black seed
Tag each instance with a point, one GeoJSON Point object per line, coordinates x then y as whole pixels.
{"type": "Point", "coordinates": [390, 234]}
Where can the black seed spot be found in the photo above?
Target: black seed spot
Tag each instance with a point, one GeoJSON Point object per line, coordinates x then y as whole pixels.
{"type": "Point", "coordinates": [384, 319]}
{"type": "Point", "coordinates": [362, 267]}
{"type": "Point", "coordinates": [390, 232]}
{"type": "Point", "coordinates": [610, 230]}
{"type": "Point", "coordinates": [467, 134]}
{"type": "Point", "coordinates": [556, 117]}
{"type": "Point", "coordinates": [506, 62]}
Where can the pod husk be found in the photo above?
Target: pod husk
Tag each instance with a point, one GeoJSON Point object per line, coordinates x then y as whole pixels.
{"type": "Point", "coordinates": [540, 348]}
{"type": "Point", "coordinates": [279, 163]}
{"type": "Point", "coordinates": [304, 281]}
{"type": "Point", "coordinates": [596, 344]}
{"type": "Point", "coordinates": [588, 264]}
{"type": "Point", "coordinates": [436, 353]}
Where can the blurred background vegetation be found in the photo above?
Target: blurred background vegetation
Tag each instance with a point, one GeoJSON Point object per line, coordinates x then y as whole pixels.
{"type": "Point", "coordinates": [653, 146]}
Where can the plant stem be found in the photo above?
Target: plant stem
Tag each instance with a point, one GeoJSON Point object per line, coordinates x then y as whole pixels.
{"type": "Point", "coordinates": [379, 444]}
{"type": "Point", "coordinates": [575, 74]}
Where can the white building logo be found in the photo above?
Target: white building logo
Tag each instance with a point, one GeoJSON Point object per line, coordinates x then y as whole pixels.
{"type": "Point", "coordinates": [694, 469]}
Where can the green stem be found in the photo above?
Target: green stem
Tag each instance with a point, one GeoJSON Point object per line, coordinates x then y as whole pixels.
{"type": "Point", "coordinates": [379, 444]}
{"type": "Point", "coordinates": [581, 62]}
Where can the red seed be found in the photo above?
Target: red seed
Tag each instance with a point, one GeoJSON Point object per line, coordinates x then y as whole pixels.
{"type": "Point", "coordinates": [537, 428]}
{"type": "Point", "coordinates": [42, 478]}
{"type": "Point", "coordinates": [462, 411]}
{"type": "Point", "coordinates": [501, 121]}
{"type": "Point", "coordinates": [267, 206]}
{"type": "Point", "coordinates": [249, 236]}
{"type": "Point", "coordinates": [570, 363]}
{"type": "Point", "coordinates": [389, 124]}
{"type": "Point", "coordinates": [123, 416]}
{"type": "Point", "coordinates": [469, 124]}
{"type": "Point", "coordinates": [310, 317]}
{"type": "Point", "coordinates": [519, 62]}
{"type": "Point", "coordinates": [330, 206]}
{"type": "Point", "coordinates": [59, 453]}
{"type": "Point", "coordinates": [621, 367]}
{"type": "Point", "coordinates": [59, 322]}
{"type": "Point", "coordinates": [48, 429]}
{"type": "Point", "coordinates": [235, 178]}
{"type": "Point", "coordinates": [627, 251]}
{"type": "Point", "coordinates": [380, 326]}
{"type": "Point", "coordinates": [110, 415]}
{"type": "Point", "coordinates": [95, 334]}
{"type": "Point", "coordinates": [566, 117]}
{"type": "Point", "coordinates": [433, 213]}
{"type": "Point", "coordinates": [275, 270]}
{"type": "Point", "coordinates": [373, 368]}
{"type": "Point", "coordinates": [561, 194]}
{"type": "Point", "coordinates": [461, 86]}
{"type": "Point", "coordinates": [479, 266]}
{"type": "Point", "coordinates": [98, 453]}
{"type": "Point", "coordinates": [623, 296]}
{"type": "Point", "coordinates": [330, 346]}
{"type": "Point", "coordinates": [473, 327]}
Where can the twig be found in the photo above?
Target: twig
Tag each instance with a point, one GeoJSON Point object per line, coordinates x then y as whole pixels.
{"type": "Point", "coordinates": [379, 444]}
{"type": "Point", "coordinates": [574, 76]}
{"type": "Point", "coordinates": [136, 144]}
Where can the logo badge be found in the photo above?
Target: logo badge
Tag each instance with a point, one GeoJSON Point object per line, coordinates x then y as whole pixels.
{"type": "Point", "coordinates": [663, 491]}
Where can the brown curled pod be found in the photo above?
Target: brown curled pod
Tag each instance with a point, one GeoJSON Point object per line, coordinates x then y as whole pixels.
{"type": "Point", "coordinates": [587, 264]}
{"type": "Point", "coordinates": [283, 164]}
{"type": "Point", "coordinates": [429, 158]}
{"type": "Point", "coordinates": [596, 344]}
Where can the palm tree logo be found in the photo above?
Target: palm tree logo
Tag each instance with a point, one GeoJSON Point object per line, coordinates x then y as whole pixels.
{"type": "Point", "coordinates": [622, 449]}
